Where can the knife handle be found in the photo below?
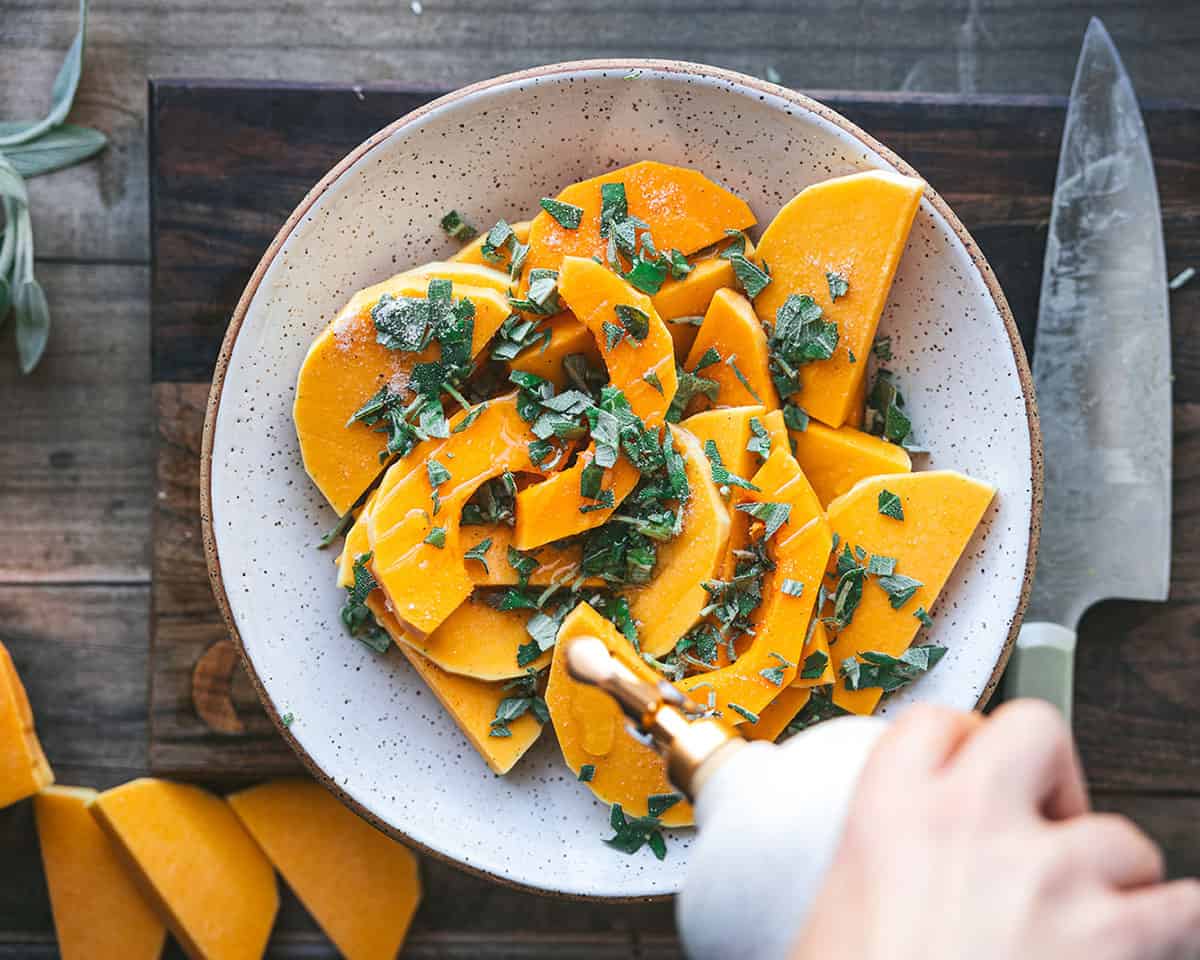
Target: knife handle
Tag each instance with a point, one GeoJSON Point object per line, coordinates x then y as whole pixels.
{"type": "Point", "coordinates": [1043, 665]}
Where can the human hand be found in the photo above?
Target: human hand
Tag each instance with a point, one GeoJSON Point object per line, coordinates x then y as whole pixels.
{"type": "Point", "coordinates": [971, 836]}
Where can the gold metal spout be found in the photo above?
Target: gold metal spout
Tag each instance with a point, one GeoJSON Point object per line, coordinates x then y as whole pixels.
{"type": "Point", "coordinates": [676, 725]}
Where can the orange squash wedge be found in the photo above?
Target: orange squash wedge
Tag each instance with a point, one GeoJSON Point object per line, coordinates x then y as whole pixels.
{"type": "Point", "coordinates": [345, 366]}
{"type": "Point", "coordinates": [689, 298]}
{"type": "Point", "coordinates": [670, 604]}
{"type": "Point", "coordinates": [23, 767]}
{"type": "Point", "coordinates": [465, 274]}
{"type": "Point", "coordinates": [203, 872]}
{"type": "Point", "coordinates": [99, 913]}
{"type": "Point", "coordinates": [684, 209]}
{"type": "Point", "coordinates": [551, 510]}
{"type": "Point", "coordinates": [471, 703]}
{"type": "Point", "coordinates": [567, 336]}
{"type": "Point", "coordinates": [732, 329]}
{"type": "Point", "coordinates": [855, 226]}
{"type": "Point", "coordinates": [835, 460]}
{"type": "Point", "coordinates": [591, 728]}
{"type": "Point", "coordinates": [417, 555]}
{"type": "Point", "coordinates": [777, 714]}
{"type": "Point", "coordinates": [473, 251]}
{"type": "Point", "coordinates": [361, 886]}
{"type": "Point", "coordinates": [941, 510]}
{"type": "Point", "coordinates": [728, 428]}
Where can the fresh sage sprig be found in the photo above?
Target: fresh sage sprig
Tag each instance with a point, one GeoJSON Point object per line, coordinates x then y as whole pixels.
{"type": "Point", "coordinates": [29, 149]}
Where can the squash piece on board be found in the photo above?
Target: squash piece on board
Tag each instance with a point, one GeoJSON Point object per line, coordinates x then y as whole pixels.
{"type": "Point", "coordinates": [835, 460]}
{"type": "Point", "coordinates": [545, 358]}
{"type": "Point", "coordinates": [417, 553]}
{"type": "Point", "coordinates": [552, 509]}
{"type": "Point", "coordinates": [476, 640]}
{"type": "Point", "coordinates": [23, 767]}
{"type": "Point", "coordinates": [777, 714]}
{"type": "Point", "coordinates": [941, 510]}
{"type": "Point", "coordinates": [742, 376]}
{"type": "Point", "coordinates": [855, 227]}
{"type": "Point", "coordinates": [99, 912]}
{"type": "Point", "coordinates": [800, 550]}
{"type": "Point", "coordinates": [670, 604]}
{"type": "Point", "coordinates": [471, 703]}
{"type": "Point", "coordinates": [346, 366]}
{"type": "Point", "coordinates": [591, 728]}
{"type": "Point", "coordinates": [190, 855]}
{"type": "Point", "coordinates": [684, 209]}
{"type": "Point", "coordinates": [473, 251]}
{"type": "Point", "coordinates": [815, 656]}
{"type": "Point", "coordinates": [361, 886]}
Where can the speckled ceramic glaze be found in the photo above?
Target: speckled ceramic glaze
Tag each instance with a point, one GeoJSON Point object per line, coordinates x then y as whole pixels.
{"type": "Point", "coordinates": [365, 723]}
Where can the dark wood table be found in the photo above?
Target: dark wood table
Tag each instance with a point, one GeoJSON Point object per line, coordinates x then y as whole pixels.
{"type": "Point", "coordinates": [93, 456]}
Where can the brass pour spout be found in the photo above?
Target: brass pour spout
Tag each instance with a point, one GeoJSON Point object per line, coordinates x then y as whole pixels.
{"type": "Point", "coordinates": [675, 724]}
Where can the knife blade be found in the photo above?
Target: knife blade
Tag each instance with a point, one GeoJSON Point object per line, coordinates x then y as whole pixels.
{"type": "Point", "coordinates": [1102, 374]}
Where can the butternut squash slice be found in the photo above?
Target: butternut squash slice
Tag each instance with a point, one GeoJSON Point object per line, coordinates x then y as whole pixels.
{"type": "Point", "coordinates": [941, 509]}
{"type": "Point", "coordinates": [473, 251]}
{"type": "Point", "coordinates": [835, 460]}
{"type": "Point", "coordinates": [690, 297]}
{"type": "Point", "coordinates": [777, 431]}
{"type": "Point", "coordinates": [417, 555]}
{"type": "Point", "coordinates": [551, 510]}
{"type": "Point", "coordinates": [684, 209]}
{"type": "Point", "coordinates": [817, 643]}
{"type": "Point", "coordinates": [475, 640]}
{"type": "Point", "coordinates": [567, 336]}
{"type": "Point", "coordinates": [858, 405]}
{"type": "Point", "coordinates": [345, 366]}
{"type": "Point", "coordinates": [728, 428]}
{"type": "Point", "coordinates": [99, 913]}
{"type": "Point", "coordinates": [591, 728]}
{"type": "Point", "coordinates": [465, 274]}
{"type": "Point", "coordinates": [777, 714]}
{"type": "Point", "coordinates": [800, 551]}
{"type": "Point", "coordinates": [471, 703]}
{"type": "Point", "coordinates": [23, 767]}
{"type": "Point", "coordinates": [670, 604]}
{"type": "Point", "coordinates": [857, 227]}
{"type": "Point", "coordinates": [742, 376]}
{"type": "Point", "coordinates": [361, 886]}
{"type": "Point", "coordinates": [203, 872]}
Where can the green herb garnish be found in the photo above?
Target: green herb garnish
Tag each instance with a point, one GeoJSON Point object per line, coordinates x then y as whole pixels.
{"type": "Point", "coordinates": [838, 285]}
{"type": "Point", "coordinates": [775, 674]}
{"type": "Point", "coordinates": [479, 552]}
{"type": "Point", "coordinates": [659, 803]}
{"type": "Point", "coordinates": [524, 700]}
{"type": "Point", "coordinates": [586, 772]}
{"type": "Point", "coordinates": [636, 322]}
{"type": "Point", "coordinates": [773, 515]}
{"type": "Point", "coordinates": [760, 439]}
{"type": "Point", "coordinates": [457, 228]}
{"type": "Point", "coordinates": [355, 614]}
{"type": "Point", "coordinates": [792, 588]}
{"type": "Point", "coordinates": [794, 418]}
{"type": "Point", "coordinates": [436, 537]}
{"type": "Point", "coordinates": [633, 833]}
{"type": "Point", "coordinates": [882, 348]}
{"type": "Point", "coordinates": [744, 713]}
{"type": "Point", "coordinates": [820, 707]}
{"type": "Point", "coordinates": [890, 505]}
{"type": "Point", "coordinates": [899, 588]}
{"type": "Point", "coordinates": [567, 215]}
{"type": "Point", "coordinates": [921, 614]}
{"type": "Point", "coordinates": [814, 665]}
{"type": "Point", "coordinates": [652, 378]}
{"type": "Point", "coordinates": [752, 278]}
{"type": "Point", "coordinates": [874, 669]}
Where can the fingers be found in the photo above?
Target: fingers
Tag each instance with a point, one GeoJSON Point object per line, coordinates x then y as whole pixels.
{"type": "Point", "coordinates": [1025, 753]}
{"type": "Point", "coordinates": [1111, 848]}
{"type": "Point", "coordinates": [923, 739]}
{"type": "Point", "coordinates": [1164, 921]}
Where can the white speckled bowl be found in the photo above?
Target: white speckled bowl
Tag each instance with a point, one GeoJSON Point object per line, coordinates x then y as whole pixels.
{"type": "Point", "coordinates": [365, 724]}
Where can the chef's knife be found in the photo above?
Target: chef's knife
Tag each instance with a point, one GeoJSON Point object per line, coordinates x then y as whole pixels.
{"type": "Point", "coordinates": [1102, 369]}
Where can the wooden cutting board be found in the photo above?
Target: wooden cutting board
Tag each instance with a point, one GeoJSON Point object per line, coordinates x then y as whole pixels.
{"type": "Point", "coordinates": [229, 162]}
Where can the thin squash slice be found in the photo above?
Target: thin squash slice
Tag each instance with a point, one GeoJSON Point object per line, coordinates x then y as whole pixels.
{"type": "Point", "coordinates": [471, 703]}
{"type": "Point", "coordinates": [567, 336]}
{"type": "Point", "coordinates": [741, 372]}
{"type": "Point", "coordinates": [835, 460]}
{"type": "Point", "coordinates": [591, 728]}
{"type": "Point", "coordinates": [23, 767]}
{"type": "Point", "coordinates": [99, 913]}
{"type": "Point", "coordinates": [417, 554]}
{"type": "Point", "coordinates": [554, 508]}
{"type": "Point", "coordinates": [729, 429]}
{"type": "Point", "coordinates": [688, 299]}
{"type": "Point", "coordinates": [856, 228]}
{"type": "Point", "coordinates": [683, 208]}
{"type": "Point", "coordinates": [941, 510]}
{"type": "Point", "coordinates": [670, 604]}
{"type": "Point", "coordinates": [203, 872]}
{"type": "Point", "coordinates": [361, 886]}
{"type": "Point", "coordinates": [461, 274]}
{"type": "Point", "coordinates": [346, 366]}
{"type": "Point", "coordinates": [777, 714]}
{"type": "Point", "coordinates": [473, 251]}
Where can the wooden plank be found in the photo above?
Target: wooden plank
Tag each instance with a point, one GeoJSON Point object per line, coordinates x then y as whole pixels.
{"type": "Point", "coordinates": [75, 448]}
{"type": "Point", "coordinates": [98, 210]}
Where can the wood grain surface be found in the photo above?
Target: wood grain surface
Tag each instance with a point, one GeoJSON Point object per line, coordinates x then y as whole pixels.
{"type": "Point", "coordinates": [78, 481]}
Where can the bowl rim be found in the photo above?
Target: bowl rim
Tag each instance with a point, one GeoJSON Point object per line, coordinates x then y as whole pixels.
{"type": "Point", "coordinates": [628, 64]}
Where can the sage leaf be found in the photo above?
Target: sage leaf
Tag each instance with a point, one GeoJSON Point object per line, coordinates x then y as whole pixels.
{"type": "Point", "coordinates": [56, 149]}
{"type": "Point", "coordinates": [62, 94]}
{"type": "Point", "coordinates": [33, 322]}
